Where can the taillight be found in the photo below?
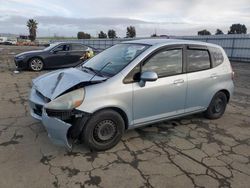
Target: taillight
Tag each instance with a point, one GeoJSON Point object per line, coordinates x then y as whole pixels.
{"type": "Point", "coordinates": [232, 75]}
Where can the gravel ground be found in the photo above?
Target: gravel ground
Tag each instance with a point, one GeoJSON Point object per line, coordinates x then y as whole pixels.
{"type": "Point", "coordinates": [185, 152]}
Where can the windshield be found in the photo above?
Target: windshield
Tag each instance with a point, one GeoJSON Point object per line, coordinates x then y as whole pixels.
{"type": "Point", "coordinates": [50, 46]}
{"type": "Point", "coordinates": [114, 59]}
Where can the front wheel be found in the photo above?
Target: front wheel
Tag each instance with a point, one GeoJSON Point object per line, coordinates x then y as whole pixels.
{"type": "Point", "coordinates": [217, 106]}
{"type": "Point", "coordinates": [104, 130]}
{"type": "Point", "coordinates": [36, 64]}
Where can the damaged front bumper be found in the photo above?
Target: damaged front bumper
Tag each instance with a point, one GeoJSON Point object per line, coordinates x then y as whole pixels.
{"type": "Point", "coordinates": [57, 130]}
{"type": "Point", "coordinates": [61, 126]}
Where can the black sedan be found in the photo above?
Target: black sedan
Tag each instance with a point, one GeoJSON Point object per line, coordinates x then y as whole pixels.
{"type": "Point", "coordinates": [57, 55]}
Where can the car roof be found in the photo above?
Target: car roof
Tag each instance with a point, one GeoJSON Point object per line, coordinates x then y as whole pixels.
{"type": "Point", "coordinates": [68, 43]}
{"type": "Point", "coordinates": [58, 43]}
{"type": "Point", "coordinates": [153, 42]}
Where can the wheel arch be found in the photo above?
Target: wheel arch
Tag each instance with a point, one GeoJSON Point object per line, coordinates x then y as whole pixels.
{"type": "Point", "coordinates": [226, 92]}
{"type": "Point", "coordinates": [119, 111]}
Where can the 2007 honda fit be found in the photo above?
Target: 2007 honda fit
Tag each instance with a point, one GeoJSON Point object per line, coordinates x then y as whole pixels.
{"type": "Point", "coordinates": [131, 84]}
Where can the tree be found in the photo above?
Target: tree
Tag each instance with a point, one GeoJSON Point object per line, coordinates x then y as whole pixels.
{"type": "Point", "coordinates": [102, 35]}
{"type": "Point", "coordinates": [112, 34]}
{"type": "Point", "coordinates": [32, 26]}
{"type": "Point", "coordinates": [204, 32]}
{"type": "Point", "coordinates": [131, 32]}
{"type": "Point", "coordinates": [82, 35]}
{"type": "Point", "coordinates": [87, 36]}
{"type": "Point", "coordinates": [237, 29]}
{"type": "Point", "coordinates": [219, 32]}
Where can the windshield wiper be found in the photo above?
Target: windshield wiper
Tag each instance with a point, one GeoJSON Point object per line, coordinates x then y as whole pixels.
{"type": "Point", "coordinates": [96, 72]}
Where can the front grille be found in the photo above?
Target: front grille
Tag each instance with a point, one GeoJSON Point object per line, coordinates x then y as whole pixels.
{"type": "Point", "coordinates": [61, 114]}
{"type": "Point", "coordinates": [38, 109]}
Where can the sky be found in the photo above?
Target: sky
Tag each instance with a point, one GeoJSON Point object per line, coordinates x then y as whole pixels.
{"type": "Point", "coordinates": [163, 17]}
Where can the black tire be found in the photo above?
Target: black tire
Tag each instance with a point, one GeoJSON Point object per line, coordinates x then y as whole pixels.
{"type": "Point", "coordinates": [107, 122]}
{"type": "Point", "coordinates": [36, 64]}
{"type": "Point", "coordinates": [217, 106]}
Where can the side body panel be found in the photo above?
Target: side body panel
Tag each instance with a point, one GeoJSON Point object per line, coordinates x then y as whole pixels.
{"type": "Point", "coordinates": [58, 59]}
{"type": "Point", "coordinates": [109, 94]}
{"type": "Point", "coordinates": [203, 85]}
{"type": "Point", "coordinates": [159, 99]}
{"type": "Point", "coordinates": [200, 88]}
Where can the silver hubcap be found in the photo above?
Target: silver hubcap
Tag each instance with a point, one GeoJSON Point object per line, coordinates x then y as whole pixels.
{"type": "Point", "coordinates": [218, 106]}
{"type": "Point", "coordinates": [105, 131]}
{"type": "Point", "coordinates": [36, 64]}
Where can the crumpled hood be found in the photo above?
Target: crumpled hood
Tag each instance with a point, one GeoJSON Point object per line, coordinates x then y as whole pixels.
{"type": "Point", "coordinates": [55, 83]}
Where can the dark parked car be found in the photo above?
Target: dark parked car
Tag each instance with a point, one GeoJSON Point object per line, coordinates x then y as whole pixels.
{"type": "Point", "coordinates": [57, 55]}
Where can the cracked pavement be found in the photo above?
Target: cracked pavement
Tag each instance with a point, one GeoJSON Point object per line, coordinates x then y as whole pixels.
{"type": "Point", "coordinates": [185, 152]}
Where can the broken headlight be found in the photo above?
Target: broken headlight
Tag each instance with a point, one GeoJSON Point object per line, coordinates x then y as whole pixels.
{"type": "Point", "coordinates": [67, 101]}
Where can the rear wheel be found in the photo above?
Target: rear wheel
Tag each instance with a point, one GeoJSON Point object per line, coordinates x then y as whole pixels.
{"type": "Point", "coordinates": [36, 64]}
{"type": "Point", "coordinates": [217, 106]}
{"type": "Point", "coordinates": [104, 130]}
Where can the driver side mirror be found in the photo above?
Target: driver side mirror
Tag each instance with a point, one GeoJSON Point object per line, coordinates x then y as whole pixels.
{"type": "Point", "coordinates": [147, 76]}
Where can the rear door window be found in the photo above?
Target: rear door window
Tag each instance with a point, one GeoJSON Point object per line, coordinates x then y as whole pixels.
{"type": "Point", "coordinates": [78, 47]}
{"type": "Point", "coordinates": [197, 60]}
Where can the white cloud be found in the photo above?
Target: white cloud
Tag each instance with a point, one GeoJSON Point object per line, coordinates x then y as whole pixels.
{"type": "Point", "coordinates": [166, 16]}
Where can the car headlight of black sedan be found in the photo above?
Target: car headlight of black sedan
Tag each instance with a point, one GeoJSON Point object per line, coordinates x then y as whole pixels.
{"type": "Point", "coordinates": [21, 57]}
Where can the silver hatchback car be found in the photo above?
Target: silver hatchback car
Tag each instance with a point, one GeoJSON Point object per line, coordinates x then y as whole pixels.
{"type": "Point", "coordinates": [132, 84]}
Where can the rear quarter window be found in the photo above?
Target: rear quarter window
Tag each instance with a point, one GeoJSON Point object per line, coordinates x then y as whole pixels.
{"type": "Point", "coordinates": [217, 56]}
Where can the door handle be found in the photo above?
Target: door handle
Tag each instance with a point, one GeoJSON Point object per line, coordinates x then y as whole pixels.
{"type": "Point", "coordinates": [179, 81]}
{"type": "Point", "coordinates": [214, 75]}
